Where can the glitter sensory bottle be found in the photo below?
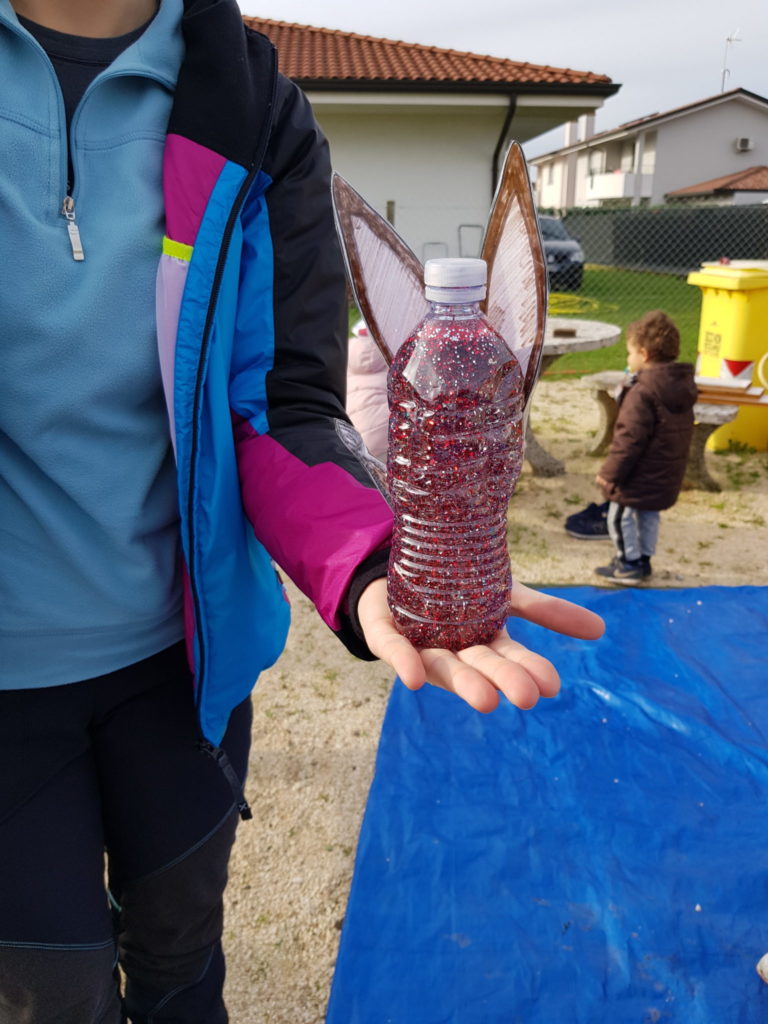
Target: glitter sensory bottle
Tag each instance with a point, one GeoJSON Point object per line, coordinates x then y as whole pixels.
{"type": "Point", "coordinates": [455, 453]}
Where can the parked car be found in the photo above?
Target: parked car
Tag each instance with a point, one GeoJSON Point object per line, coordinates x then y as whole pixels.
{"type": "Point", "coordinates": [564, 255]}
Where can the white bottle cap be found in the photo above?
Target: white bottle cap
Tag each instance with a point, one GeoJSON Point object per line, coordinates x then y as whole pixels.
{"type": "Point", "coordinates": [455, 280]}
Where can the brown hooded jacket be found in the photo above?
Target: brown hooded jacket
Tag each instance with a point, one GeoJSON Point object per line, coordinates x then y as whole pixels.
{"type": "Point", "coordinates": [649, 451]}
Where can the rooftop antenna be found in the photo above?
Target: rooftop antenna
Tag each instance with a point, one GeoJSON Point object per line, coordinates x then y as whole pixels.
{"type": "Point", "coordinates": [732, 38]}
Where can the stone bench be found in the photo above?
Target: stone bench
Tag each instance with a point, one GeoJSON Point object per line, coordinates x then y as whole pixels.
{"type": "Point", "coordinates": [707, 418]}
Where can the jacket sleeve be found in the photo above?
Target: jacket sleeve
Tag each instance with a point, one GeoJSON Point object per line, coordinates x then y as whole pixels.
{"type": "Point", "coordinates": [310, 499]}
{"type": "Point", "coordinates": [633, 429]}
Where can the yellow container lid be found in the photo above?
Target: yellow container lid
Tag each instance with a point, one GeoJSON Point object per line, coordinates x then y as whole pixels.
{"type": "Point", "coordinates": [740, 264]}
{"type": "Point", "coordinates": [741, 275]}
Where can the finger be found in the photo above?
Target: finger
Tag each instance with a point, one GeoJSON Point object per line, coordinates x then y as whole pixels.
{"type": "Point", "coordinates": [383, 639]}
{"type": "Point", "coordinates": [521, 679]}
{"type": "Point", "coordinates": [391, 647]}
{"type": "Point", "coordinates": [555, 613]}
{"type": "Point", "coordinates": [446, 670]}
{"type": "Point", "coordinates": [542, 672]}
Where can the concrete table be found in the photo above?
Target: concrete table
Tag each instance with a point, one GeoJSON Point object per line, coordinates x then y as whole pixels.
{"type": "Point", "coordinates": [562, 336]}
{"type": "Point", "coordinates": [605, 387]}
{"type": "Point", "coordinates": [707, 418]}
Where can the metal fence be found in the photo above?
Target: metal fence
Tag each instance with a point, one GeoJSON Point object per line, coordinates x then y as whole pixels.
{"type": "Point", "coordinates": [639, 258]}
{"type": "Point", "coordinates": [670, 239]}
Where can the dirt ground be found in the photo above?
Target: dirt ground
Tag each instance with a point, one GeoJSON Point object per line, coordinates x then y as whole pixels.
{"type": "Point", "coordinates": [318, 712]}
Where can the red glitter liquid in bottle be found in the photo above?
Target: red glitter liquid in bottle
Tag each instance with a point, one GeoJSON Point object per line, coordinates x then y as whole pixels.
{"type": "Point", "coordinates": [455, 453]}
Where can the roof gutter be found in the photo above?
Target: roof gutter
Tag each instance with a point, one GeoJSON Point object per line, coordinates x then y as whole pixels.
{"type": "Point", "coordinates": [380, 85]}
{"type": "Point", "coordinates": [511, 108]}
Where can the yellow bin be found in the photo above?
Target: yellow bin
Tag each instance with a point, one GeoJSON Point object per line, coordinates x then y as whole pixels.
{"type": "Point", "coordinates": [733, 341]}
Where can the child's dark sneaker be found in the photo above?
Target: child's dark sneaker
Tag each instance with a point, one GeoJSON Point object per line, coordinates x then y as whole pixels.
{"type": "Point", "coordinates": [589, 524]}
{"type": "Point", "coordinates": [646, 562]}
{"type": "Point", "coordinates": [626, 573]}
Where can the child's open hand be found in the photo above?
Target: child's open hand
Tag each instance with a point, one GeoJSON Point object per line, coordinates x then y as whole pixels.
{"type": "Point", "coordinates": [479, 674]}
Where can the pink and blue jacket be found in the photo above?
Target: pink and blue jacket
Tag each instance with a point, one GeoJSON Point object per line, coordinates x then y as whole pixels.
{"type": "Point", "coordinates": [251, 321]}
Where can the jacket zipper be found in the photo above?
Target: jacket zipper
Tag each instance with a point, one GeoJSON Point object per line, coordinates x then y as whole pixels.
{"type": "Point", "coordinates": [68, 205]}
{"type": "Point", "coordinates": [217, 753]}
{"type": "Point", "coordinates": [68, 211]}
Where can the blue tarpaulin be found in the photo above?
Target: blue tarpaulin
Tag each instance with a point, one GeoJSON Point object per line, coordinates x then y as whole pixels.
{"type": "Point", "coordinates": [602, 859]}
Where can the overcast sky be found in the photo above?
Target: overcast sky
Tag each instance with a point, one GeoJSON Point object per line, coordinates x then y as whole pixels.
{"type": "Point", "coordinates": [664, 53]}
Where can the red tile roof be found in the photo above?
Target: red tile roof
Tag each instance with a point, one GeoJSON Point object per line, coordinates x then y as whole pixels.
{"type": "Point", "coordinates": [326, 57]}
{"type": "Point", "coordinates": [753, 179]}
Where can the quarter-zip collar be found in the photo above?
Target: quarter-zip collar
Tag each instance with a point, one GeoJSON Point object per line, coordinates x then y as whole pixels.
{"type": "Point", "coordinates": [222, 86]}
{"type": "Point", "coordinates": [156, 54]}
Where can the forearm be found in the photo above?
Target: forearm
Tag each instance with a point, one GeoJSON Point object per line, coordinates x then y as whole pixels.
{"type": "Point", "coordinates": [309, 497]}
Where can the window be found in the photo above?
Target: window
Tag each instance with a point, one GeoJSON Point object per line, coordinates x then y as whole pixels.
{"type": "Point", "coordinates": [596, 161]}
{"type": "Point", "coordinates": [627, 160]}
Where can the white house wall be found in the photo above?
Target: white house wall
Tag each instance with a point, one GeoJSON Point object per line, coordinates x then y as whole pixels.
{"type": "Point", "coordinates": [434, 165]}
{"type": "Point", "coordinates": [568, 184]}
{"type": "Point", "coordinates": [684, 150]}
{"type": "Point", "coordinates": [700, 146]}
{"type": "Point", "coordinates": [550, 184]}
{"type": "Point", "coordinates": [749, 198]}
{"type": "Point", "coordinates": [582, 179]}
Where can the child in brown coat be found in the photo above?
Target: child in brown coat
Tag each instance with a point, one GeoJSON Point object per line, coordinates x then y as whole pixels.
{"type": "Point", "coordinates": [644, 469]}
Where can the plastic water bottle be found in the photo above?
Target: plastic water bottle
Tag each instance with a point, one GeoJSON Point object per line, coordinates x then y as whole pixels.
{"type": "Point", "coordinates": [455, 453]}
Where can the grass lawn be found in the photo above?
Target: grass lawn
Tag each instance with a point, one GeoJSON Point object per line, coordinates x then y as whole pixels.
{"type": "Point", "coordinates": [619, 297]}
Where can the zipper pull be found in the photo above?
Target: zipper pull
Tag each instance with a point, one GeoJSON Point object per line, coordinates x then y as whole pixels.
{"type": "Point", "coordinates": [68, 211]}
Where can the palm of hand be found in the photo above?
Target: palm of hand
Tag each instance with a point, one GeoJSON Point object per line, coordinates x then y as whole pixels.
{"type": "Point", "coordinates": [478, 675]}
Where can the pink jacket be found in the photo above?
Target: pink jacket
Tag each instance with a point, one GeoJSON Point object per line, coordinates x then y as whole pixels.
{"type": "Point", "coordinates": [367, 391]}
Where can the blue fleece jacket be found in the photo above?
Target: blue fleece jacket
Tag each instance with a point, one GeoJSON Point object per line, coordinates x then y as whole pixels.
{"type": "Point", "coordinates": [88, 507]}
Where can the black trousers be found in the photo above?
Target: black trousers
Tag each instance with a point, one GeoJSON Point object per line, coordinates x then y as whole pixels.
{"type": "Point", "coordinates": [112, 765]}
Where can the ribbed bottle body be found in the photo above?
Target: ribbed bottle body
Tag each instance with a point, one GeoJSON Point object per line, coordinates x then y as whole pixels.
{"type": "Point", "coordinates": [455, 453]}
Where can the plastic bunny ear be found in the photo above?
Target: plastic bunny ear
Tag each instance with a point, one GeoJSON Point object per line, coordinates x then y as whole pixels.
{"type": "Point", "coordinates": [517, 272]}
{"type": "Point", "coordinates": [387, 278]}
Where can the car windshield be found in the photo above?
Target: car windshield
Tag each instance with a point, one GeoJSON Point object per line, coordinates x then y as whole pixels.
{"type": "Point", "coordinates": [553, 229]}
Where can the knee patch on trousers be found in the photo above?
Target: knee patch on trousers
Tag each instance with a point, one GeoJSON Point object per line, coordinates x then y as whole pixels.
{"type": "Point", "coordinates": [170, 934]}
{"type": "Point", "coordinates": [58, 985]}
